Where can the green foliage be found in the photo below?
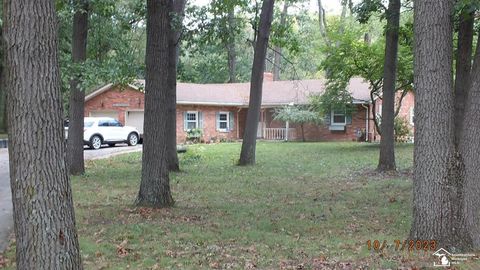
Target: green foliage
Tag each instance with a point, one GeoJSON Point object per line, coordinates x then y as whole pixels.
{"type": "Point", "coordinates": [194, 134]}
{"type": "Point", "coordinates": [111, 55]}
{"type": "Point", "coordinates": [353, 57]}
{"type": "Point", "coordinates": [297, 114]}
{"type": "Point", "coordinates": [193, 155]}
{"type": "Point", "coordinates": [401, 128]}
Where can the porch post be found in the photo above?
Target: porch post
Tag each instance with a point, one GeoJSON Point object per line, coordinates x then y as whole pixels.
{"type": "Point", "coordinates": [286, 131]}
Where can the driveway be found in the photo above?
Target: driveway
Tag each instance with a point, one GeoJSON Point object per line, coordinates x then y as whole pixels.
{"type": "Point", "coordinates": [6, 211]}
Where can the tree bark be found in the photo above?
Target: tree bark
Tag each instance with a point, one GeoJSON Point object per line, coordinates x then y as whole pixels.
{"type": "Point", "coordinates": [44, 218]}
{"type": "Point", "coordinates": [155, 185]}
{"type": "Point", "coordinates": [3, 94]}
{"type": "Point", "coordinates": [469, 149]}
{"type": "Point", "coordinates": [75, 161]}
{"type": "Point", "coordinates": [322, 21]}
{"type": "Point", "coordinates": [247, 155]}
{"type": "Point", "coordinates": [231, 50]}
{"type": "Point", "coordinates": [387, 142]}
{"type": "Point", "coordinates": [277, 59]}
{"type": "Point", "coordinates": [437, 191]}
{"type": "Point", "coordinates": [174, 50]}
{"type": "Point", "coordinates": [463, 68]}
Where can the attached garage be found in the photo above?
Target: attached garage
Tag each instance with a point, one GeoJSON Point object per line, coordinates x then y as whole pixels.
{"type": "Point", "coordinates": [111, 114]}
{"type": "Point", "coordinates": [135, 119]}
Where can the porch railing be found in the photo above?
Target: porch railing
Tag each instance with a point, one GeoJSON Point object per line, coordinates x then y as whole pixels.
{"type": "Point", "coordinates": [279, 133]}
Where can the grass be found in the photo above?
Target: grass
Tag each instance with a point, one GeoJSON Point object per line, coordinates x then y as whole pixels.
{"type": "Point", "coordinates": [310, 205]}
{"type": "Point", "coordinates": [3, 136]}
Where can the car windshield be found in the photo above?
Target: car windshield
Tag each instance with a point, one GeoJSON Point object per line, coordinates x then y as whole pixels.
{"type": "Point", "coordinates": [88, 123]}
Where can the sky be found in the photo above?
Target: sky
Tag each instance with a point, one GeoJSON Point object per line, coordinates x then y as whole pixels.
{"type": "Point", "coordinates": [330, 6]}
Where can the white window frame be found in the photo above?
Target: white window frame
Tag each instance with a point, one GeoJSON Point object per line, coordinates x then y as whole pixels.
{"type": "Point", "coordinates": [412, 116]}
{"type": "Point", "coordinates": [333, 123]}
{"type": "Point", "coordinates": [227, 121]}
{"type": "Point", "coordinates": [192, 121]}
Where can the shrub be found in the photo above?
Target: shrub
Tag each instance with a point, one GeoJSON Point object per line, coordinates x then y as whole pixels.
{"type": "Point", "coordinates": [194, 135]}
{"type": "Point", "coordinates": [401, 128]}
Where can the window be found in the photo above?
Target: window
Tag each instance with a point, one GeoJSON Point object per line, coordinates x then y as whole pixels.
{"type": "Point", "coordinates": [88, 123]}
{"type": "Point", "coordinates": [339, 117]}
{"type": "Point", "coordinates": [223, 121]}
{"type": "Point", "coordinates": [191, 120]}
{"type": "Point", "coordinates": [114, 123]}
{"type": "Point", "coordinates": [412, 116]}
{"type": "Point", "coordinates": [103, 123]}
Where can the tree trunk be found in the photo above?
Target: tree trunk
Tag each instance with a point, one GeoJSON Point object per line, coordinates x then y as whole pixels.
{"type": "Point", "coordinates": [322, 21]}
{"type": "Point", "coordinates": [44, 218]}
{"type": "Point", "coordinates": [387, 142]}
{"type": "Point", "coordinates": [155, 185]}
{"type": "Point", "coordinates": [463, 68]}
{"type": "Point", "coordinates": [277, 61]}
{"type": "Point", "coordinates": [75, 161]}
{"type": "Point", "coordinates": [303, 133]}
{"type": "Point", "coordinates": [437, 193]}
{"type": "Point", "coordinates": [174, 50]}
{"type": "Point", "coordinates": [469, 148]}
{"type": "Point", "coordinates": [231, 50]}
{"type": "Point", "coordinates": [3, 94]}
{"type": "Point", "coordinates": [247, 155]}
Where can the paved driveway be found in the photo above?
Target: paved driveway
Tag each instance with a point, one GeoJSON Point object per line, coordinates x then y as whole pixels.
{"type": "Point", "coordinates": [6, 222]}
{"type": "Point", "coordinates": [6, 211]}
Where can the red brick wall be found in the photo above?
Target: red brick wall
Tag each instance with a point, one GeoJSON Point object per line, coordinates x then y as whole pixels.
{"type": "Point", "coordinates": [321, 132]}
{"type": "Point", "coordinates": [209, 114]}
{"type": "Point", "coordinates": [130, 99]}
{"type": "Point", "coordinates": [408, 102]}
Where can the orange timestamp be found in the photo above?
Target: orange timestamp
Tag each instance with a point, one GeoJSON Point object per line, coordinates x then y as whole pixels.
{"type": "Point", "coordinates": [402, 245]}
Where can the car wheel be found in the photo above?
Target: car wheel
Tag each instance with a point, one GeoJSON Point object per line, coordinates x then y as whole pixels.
{"type": "Point", "coordinates": [132, 139]}
{"type": "Point", "coordinates": [95, 142]}
{"type": "Point", "coordinates": [111, 144]}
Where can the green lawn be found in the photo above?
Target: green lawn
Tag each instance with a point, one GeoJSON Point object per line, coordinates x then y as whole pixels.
{"type": "Point", "coordinates": [3, 136]}
{"type": "Point", "coordinates": [310, 205]}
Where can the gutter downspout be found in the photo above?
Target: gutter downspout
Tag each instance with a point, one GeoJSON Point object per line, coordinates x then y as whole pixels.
{"type": "Point", "coordinates": [238, 123]}
{"type": "Point", "coordinates": [367, 110]}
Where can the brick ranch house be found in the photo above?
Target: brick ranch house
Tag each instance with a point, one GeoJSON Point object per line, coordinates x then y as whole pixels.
{"type": "Point", "coordinates": [220, 110]}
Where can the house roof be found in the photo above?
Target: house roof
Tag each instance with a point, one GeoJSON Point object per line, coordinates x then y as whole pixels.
{"type": "Point", "coordinates": [275, 93]}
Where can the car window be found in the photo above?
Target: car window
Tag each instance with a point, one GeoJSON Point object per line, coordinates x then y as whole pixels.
{"type": "Point", "coordinates": [114, 123]}
{"type": "Point", "coordinates": [88, 123]}
{"type": "Point", "coordinates": [103, 123]}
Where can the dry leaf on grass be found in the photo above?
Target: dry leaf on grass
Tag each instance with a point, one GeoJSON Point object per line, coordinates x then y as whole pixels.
{"type": "Point", "coordinates": [122, 250]}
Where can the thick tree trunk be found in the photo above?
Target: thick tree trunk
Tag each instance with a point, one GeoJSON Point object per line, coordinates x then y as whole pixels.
{"type": "Point", "coordinates": [247, 156]}
{"type": "Point", "coordinates": [44, 218]}
{"type": "Point", "coordinates": [387, 142]}
{"type": "Point", "coordinates": [231, 50]}
{"type": "Point", "coordinates": [75, 161]}
{"type": "Point", "coordinates": [463, 68]}
{"type": "Point", "coordinates": [155, 185]}
{"type": "Point", "coordinates": [437, 191]}
{"type": "Point", "coordinates": [3, 94]}
{"type": "Point", "coordinates": [469, 148]}
{"type": "Point", "coordinates": [174, 50]}
{"type": "Point", "coordinates": [277, 60]}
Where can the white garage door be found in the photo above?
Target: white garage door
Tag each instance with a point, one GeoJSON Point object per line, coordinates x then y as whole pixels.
{"type": "Point", "coordinates": [135, 119]}
{"type": "Point", "coordinates": [111, 114]}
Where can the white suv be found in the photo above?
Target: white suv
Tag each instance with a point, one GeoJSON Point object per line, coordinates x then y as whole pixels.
{"type": "Point", "coordinates": [104, 130]}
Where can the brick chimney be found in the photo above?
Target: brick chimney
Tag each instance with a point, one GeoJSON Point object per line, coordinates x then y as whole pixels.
{"type": "Point", "coordinates": [268, 77]}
